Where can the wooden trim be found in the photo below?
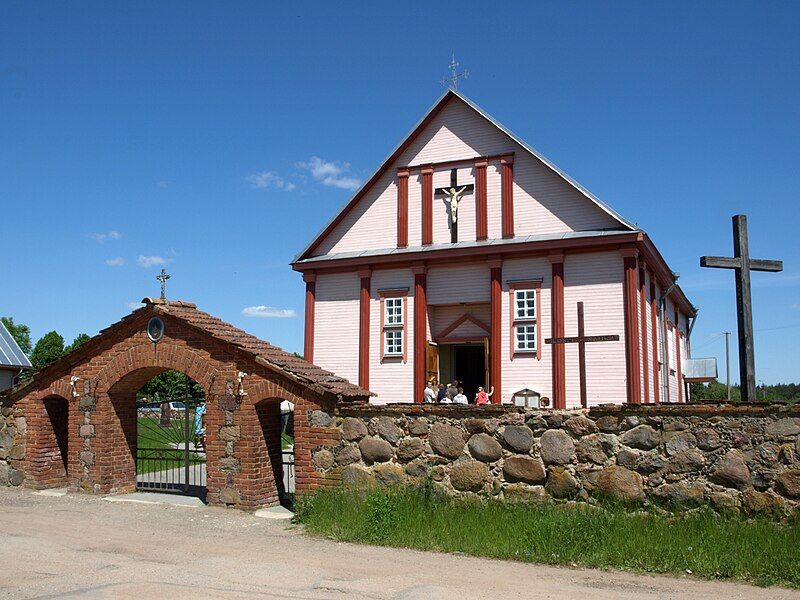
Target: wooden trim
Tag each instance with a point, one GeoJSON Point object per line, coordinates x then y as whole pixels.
{"type": "Point", "coordinates": [427, 205]}
{"type": "Point", "coordinates": [643, 315]}
{"type": "Point", "coordinates": [308, 334]}
{"type": "Point", "coordinates": [363, 330]}
{"type": "Point", "coordinates": [460, 339]}
{"type": "Point", "coordinates": [495, 341]}
{"type": "Point", "coordinates": [420, 334]}
{"type": "Point", "coordinates": [402, 208]}
{"type": "Point", "coordinates": [513, 286]}
{"type": "Point", "coordinates": [481, 204]}
{"type": "Point", "coordinates": [654, 333]}
{"type": "Point", "coordinates": [397, 293]}
{"type": "Point", "coordinates": [678, 366]}
{"type": "Point", "coordinates": [557, 330]}
{"type": "Point", "coordinates": [460, 321]}
{"type": "Point", "coordinates": [632, 363]}
{"type": "Point", "coordinates": [507, 191]}
{"type": "Point", "coordinates": [460, 162]}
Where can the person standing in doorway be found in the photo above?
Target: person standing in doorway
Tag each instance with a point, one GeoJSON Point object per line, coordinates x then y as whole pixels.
{"type": "Point", "coordinates": [452, 390]}
{"type": "Point", "coordinates": [442, 393]}
{"type": "Point", "coordinates": [482, 398]}
{"type": "Point", "coordinates": [430, 393]}
{"type": "Point", "coordinates": [460, 398]}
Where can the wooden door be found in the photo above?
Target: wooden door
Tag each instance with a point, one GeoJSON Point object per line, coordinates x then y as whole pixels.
{"type": "Point", "coordinates": [432, 362]}
{"type": "Point", "coordinates": [486, 363]}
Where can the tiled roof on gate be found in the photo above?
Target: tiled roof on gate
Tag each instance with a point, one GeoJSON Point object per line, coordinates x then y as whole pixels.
{"type": "Point", "coordinates": [296, 368]}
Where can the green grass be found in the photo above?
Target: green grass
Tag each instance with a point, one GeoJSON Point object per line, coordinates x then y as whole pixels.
{"type": "Point", "coordinates": [707, 544]}
{"type": "Point", "coordinates": [150, 434]}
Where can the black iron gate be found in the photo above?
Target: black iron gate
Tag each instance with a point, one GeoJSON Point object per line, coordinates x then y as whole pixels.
{"type": "Point", "coordinates": [170, 452]}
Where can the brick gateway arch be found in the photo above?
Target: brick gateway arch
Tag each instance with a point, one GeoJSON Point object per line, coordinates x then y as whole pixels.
{"type": "Point", "coordinates": [80, 412]}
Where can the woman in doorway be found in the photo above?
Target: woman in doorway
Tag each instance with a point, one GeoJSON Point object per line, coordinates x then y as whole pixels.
{"type": "Point", "coordinates": [482, 398]}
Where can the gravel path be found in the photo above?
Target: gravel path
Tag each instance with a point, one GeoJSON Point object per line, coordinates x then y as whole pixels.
{"type": "Point", "coordinates": [80, 546]}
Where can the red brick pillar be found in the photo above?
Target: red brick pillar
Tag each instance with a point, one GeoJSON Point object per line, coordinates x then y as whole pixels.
{"type": "Point", "coordinates": [559, 362]}
{"type": "Point", "coordinates": [496, 327]}
{"type": "Point", "coordinates": [632, 363]}
{"type": "Point", "coordinates": [420, 330]}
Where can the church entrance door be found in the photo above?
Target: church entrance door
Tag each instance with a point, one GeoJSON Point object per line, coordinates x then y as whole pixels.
{"type": "Point", "coordinates": [469, 365]}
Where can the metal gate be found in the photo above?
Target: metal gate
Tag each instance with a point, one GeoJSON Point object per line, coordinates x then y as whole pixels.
{"type": "Point", "coordinates": [170, 452]}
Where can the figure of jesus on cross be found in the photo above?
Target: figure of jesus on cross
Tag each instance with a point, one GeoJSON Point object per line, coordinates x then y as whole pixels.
{"type": "Point", "coordinates": [453, 194]}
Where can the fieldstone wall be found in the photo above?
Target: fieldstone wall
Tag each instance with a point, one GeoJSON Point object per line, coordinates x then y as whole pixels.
{"type": "Point", "coordinates": [12, 445]}
{"type": "Point", "coordinates": [732, 457]}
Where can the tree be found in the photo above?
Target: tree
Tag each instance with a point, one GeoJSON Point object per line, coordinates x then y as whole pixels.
{"type": "Point", "coordinates": [79, 341]}
{"type": "Point", "coordinates": [47, 350]}
{"type": "Point", "coordinates": [172, 385]}
{"type": "Point", "coordinates": [21, 334]}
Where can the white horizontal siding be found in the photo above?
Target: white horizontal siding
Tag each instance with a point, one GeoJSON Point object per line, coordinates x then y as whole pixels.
{"type": "Point", "coordinates": [458, 283]}
{"type": "Point", "coordinates": [596, 280]}
{"type": "Point", "coordinates": [336, 324]}
{"type": "Point", "coordinates": [526, 371]}
{"type": "Point", "coordinates": [441, 317]}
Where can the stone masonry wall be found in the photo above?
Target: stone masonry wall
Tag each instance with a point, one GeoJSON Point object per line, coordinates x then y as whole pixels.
{"type": "Point", "coordinates": [733, 457]}
{"type": "Point", "coordinates": [12, 445]}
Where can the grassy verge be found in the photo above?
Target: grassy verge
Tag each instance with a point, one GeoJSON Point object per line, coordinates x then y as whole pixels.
{"type": "Point", "coordinates": [708, 545]}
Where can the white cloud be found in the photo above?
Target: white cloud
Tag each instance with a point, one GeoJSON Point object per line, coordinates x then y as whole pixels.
{"type": "Point", "coordinates": [134, 305]}
{"type": "Point", "coordinates": [115, 262]}
{"type": "Point", "coordinates": [332, 173]}
{"type": "Point", "coordinates": [102, 237]}
{"type": "Point", "coordinates": [268, 312]}
{"type": "Point", "coordinates": [267, 179]}
{"type": "Point", "coordinates": [152, 261]}
{"type": "Point", "coordinates": [796, 306]}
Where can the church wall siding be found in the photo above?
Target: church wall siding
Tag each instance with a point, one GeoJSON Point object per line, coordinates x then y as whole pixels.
{"type": "Point", "coordinates": [336, 324]}
{"type": "Point", "coordinates": [543, 202]}
{"type": "Point", "coordinates": [441, 317]}
{"type": "Point", "coordinates": [458, 283]}
{"type": "Point", "coordinates": [597, 280]}
{"type": "Point", "coordinates": [392, 379]}
{"type": "Point", "coordinates": [525, 371]}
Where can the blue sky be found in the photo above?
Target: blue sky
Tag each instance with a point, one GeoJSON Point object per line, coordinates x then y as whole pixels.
{"type": "Point", "coordinates": [218, 138]}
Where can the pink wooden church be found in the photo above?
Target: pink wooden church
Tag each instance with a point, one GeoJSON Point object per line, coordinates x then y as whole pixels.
{"type": "Point", "coordinates": [465, 253]}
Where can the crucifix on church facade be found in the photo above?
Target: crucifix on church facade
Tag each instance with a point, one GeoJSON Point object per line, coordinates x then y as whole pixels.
{"type": "Point", "coordinates": [742, 264]}
{"type": "Point", "coordinates": [582, 339]}
{"type": "Point", "coordinates": [452, 196]}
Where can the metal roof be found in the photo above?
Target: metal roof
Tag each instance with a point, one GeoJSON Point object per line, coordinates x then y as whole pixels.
{"type": "Point", "coordinates": [541, 237]}
{"type": "Point", "coordinates": [10, 353]}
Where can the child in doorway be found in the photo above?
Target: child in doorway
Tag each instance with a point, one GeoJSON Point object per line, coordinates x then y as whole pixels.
{"type": "Point", "coordinates": [460, 398]}
{"type": "Point", "coordinates": [482, 397]}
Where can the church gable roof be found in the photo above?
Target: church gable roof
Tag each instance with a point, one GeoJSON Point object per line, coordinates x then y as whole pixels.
{"type": "Point", "coordinates": [348, 213]}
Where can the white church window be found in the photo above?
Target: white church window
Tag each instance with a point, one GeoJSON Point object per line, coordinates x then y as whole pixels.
{"type": "Point", "coordinates": [393, 342]}
{"type": "Point", "coordinates": [394, 311]}
{"type": "Point", "coordinates": [525, 338]}
{"type": "Point", "coordinates": [525, 304]}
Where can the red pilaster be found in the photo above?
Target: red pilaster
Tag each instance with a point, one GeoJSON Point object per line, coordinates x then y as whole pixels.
{"type": "Point", "coordinates": [654, 335]}
{"type": "Point", "coordinates": [678, 366]}
{"type": "Point", "coordinates": [420, 329]}
{"type": "Point", "coordinates": [427, 205]}
{"type": "Point", "coordinates": [507, 203]}
{"type": "Point", "coordinates": [496, 327]}
{"type": "Point", "coordinates": [402, 208]}
{"type": "Point", "coordinates": [632, 363]}
{"type": "Point", "coordinates": [557, 330]}
{"type": "Point", "coordinates": [643, 315]}
{"type": "Point", "coordinates": [311, 296]}
{"type": "Point", "coordinates": [481, 209]}
{"type": "Point", "coordinates": [363, 328]}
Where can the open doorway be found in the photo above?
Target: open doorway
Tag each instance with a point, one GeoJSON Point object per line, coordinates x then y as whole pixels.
{"type": "Point", "coordinates": [466, 363]}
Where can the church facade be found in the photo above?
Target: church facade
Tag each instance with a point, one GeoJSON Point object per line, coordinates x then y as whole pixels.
{"type": "Point", "coordinates": [469, 256]}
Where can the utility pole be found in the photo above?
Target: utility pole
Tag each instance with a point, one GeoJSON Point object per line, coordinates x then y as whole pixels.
{"type": "Point", "coordinates": [728, 363]}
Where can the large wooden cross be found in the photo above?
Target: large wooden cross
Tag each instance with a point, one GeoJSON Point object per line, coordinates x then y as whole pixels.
{"type": "Point", "coordinates": [582, 339]}
{"type": "Point", "coordinates": [742, 264]}
{"type": "Point", "coordinates": [453, 195]}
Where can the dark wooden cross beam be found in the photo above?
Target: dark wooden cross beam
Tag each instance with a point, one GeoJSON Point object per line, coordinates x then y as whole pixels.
{"type": "Point", "coordinates": [452, 195]}
{"type": "Point", "coordinates": [582, 339]}
{"type": "Point", "coordinates": [742, 264]}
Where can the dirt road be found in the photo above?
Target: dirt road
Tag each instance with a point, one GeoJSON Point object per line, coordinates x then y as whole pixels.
{"type": "Point", "coordinates": [84, 547]}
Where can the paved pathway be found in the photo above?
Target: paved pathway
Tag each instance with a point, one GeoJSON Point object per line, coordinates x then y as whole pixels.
{"type": "Point", "coordinates": [79, 546]}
